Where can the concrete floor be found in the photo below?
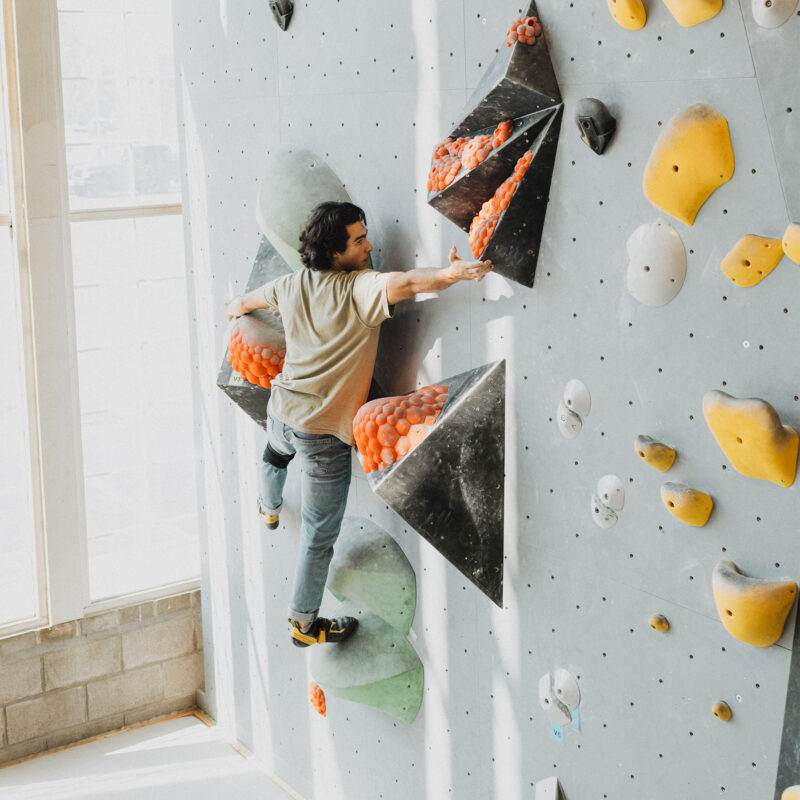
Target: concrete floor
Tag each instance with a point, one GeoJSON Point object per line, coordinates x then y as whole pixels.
{"type": "Point", "coordinates": [178, 759]}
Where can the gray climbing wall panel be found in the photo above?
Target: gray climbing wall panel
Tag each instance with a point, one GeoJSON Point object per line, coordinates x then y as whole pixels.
{"type": "Point", "coordinates": [371, 87]}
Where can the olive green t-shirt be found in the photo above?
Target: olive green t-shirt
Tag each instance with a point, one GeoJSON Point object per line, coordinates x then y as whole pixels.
{"type": "Point", "coordinates": [332, 322]}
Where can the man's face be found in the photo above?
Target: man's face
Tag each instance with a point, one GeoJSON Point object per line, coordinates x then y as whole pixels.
{"type": "Point", "coordinates": [356, 253]}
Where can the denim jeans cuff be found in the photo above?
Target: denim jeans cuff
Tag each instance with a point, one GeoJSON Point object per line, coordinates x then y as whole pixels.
{"type": "Point", "coordinates": [263, 509]}
{"type": "Point", "coordinates": [302, 617]}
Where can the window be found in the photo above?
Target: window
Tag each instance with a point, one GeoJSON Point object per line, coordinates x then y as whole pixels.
{"type": "Point", "coordinates": [99, 163]}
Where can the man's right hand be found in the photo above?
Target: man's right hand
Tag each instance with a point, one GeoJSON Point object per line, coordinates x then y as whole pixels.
{"type": "Point", "coordinates": [467, 270]}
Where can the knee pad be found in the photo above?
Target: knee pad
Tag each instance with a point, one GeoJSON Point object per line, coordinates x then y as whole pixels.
{"type": "Point", "coordinates": [279, 460]}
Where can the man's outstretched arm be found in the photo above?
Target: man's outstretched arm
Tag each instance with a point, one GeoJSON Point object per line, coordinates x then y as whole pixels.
{"type": "Point", "coordinates": [403, 285]}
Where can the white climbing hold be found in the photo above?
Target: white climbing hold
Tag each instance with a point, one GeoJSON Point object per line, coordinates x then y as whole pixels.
{"type": "Point", "coordinates": [577, 397]}
{"type": "Point", "coordinates": [567, 689]}
{"type": "Point", "coordinates": [569, 423]}
{"type": "Point", "coordinates": [603, 516]}
{"type": "Point", "coordinates": [772, 13]}
{"type": "Point", "coordinates": [656, 263]}
{"type": "Point", "coordinates": [555, 710]}
{"type": "Point", "coordinates": [611, 492]}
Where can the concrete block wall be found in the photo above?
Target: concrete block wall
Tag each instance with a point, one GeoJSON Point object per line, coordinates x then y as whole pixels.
{"type": "Point", "coordinates": [98, 674]}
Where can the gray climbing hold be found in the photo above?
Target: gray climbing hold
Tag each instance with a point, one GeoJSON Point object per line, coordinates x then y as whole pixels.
{"type": "Point", "coordinates": [282, 10]}
{"type": "Point", "coordinates": [596, 123]}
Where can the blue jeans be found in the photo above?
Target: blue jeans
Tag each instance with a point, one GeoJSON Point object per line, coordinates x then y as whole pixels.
{"type": "Point", "coordinates": [326, 469]}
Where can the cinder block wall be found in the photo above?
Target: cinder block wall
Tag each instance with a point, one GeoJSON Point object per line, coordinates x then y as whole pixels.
{"type": "Point", "coordinates": [98, 674]}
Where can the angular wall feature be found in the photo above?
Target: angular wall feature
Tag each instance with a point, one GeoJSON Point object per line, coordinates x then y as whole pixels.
{"type": "Point", "coordinates": [450, 487]}
{"type": "Point", "coordinates": [462, 199]}
{"type": "Point", "coordinates": [267, 266]}
{"type": "Point", "coordinates": [370, 568]}
{"type": "Point", "coordinates": [519, 81]}
{"type": "Point", "coordinates": [520, 84]}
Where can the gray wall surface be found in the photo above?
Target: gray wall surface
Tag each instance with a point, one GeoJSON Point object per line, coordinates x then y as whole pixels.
{"type": "Point", "coordinates": [372, 87]}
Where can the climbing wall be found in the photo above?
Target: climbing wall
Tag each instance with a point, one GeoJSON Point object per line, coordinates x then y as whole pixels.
{"type": "Point", "coordinates": [372, 89]}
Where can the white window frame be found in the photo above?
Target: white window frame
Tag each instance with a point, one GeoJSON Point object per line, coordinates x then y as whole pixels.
{"type": "Point", "coordinates": [41, 220]}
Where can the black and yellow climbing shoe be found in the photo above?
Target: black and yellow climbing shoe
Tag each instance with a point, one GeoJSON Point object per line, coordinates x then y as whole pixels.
{"type": "Point", "coordinates": [323, 630]}
{"type": "Point", "coordinates": [271, 521]}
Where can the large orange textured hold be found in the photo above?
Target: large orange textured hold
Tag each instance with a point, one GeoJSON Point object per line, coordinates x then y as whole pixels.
{"type": "Point", "coordinates": [317, 698]}
{"type": "Point", "coordinates": [257, 348]}
{"type": "Point", "coordinates": [452, 154]}
{"type": "Point", "coordinates": [388, 428]}
{"type": "Point", "coordinates": [484, 224]}
{"type": "Point", "coordinates": [523, 29]}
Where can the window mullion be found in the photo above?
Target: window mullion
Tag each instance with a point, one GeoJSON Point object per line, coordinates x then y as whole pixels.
{"type": "Point", "coordinates": [52, 302]}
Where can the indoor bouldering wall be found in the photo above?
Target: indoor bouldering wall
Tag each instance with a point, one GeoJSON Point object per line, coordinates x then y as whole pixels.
{"type": "Point", "coordinates": [636, 639]}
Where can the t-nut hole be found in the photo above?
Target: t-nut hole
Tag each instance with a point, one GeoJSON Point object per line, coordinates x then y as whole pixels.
{"type": "Point", "coordinates": [569, 402]}
{"type": "Point", "coordinates": [768, 4]}
{"type": "Point", "coordinates": [646, 268]}
{"type": "Point", "coordinates": [605, 497]}
{"type": "Point", "coordinates": [558, 691]}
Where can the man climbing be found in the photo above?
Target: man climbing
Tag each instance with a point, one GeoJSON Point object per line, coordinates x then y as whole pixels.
{"type": "Point", "coordinates": [332, 312]}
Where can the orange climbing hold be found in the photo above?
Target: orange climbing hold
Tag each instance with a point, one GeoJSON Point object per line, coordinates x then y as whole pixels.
{"type": "Point", "coordinates": [523, 29]}
{"type": "Point", "coordinates": [317, 698]}
{"type": "Point", "coordinates": [389, 428]}
{"type": "Point", "coordinates": [484, 224]}
{"type": "Point", "coordinates": [257, 348]}
{"type": "Point", "coordinates": [452, 154]}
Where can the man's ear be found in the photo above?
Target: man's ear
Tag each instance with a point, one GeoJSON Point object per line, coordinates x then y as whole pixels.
{"type": "Point", "coordinates": [336, 261]}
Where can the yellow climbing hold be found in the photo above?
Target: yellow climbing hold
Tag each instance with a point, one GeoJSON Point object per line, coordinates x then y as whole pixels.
{"type": "Point", "coordinates": [690, 506]}
{"type": "Point", "coordinates": [752, 259]}
{"type": "Point", "coordinates": [658, 622]}
{"type": "Point", "coordinates": [752, 610]}
{"type": "Point", "coordinates": [721, 710]}
{"type": "Point", "coordinates": [691, 158]}
{"type": "Point", "coordinates": [791, 793]}
{"type": "Point", "coordinates": [659, 456]}
{"type": "Point", "coordinates": [751, 435]}
{"type": "Point", "coordinates": [693, 12]}
{"type": "Point", "coordinates": [630, 14]}
{"type": "Point", "coordinates": [791, 246]}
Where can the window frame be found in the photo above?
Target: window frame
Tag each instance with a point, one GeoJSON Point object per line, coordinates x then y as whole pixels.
{"type": "Point", "coordinates": [40, 221]}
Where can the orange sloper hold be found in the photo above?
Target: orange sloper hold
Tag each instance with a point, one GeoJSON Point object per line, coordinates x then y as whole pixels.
{"type": "Point", "coordinates": [388, 428]}
{"type": "Point", "coordinates": [452, 154]}
{"type": "Point", "coordinates": [257, 348]}
{"type": "Point", "coordinates": [317, 698]}
{"type": "Point", "coordinates": [483, 225]}
{"type": "Point", "coordinates": [523, 29]}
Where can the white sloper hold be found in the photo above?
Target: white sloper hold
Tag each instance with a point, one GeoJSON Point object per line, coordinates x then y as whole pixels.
{"type": "Point", "coordinates": [555, 710]}
{"type": "Point", "coordinates": [656, 263]}
{"type": "Point", "coordinates": [611, 492]}
{"type": "Point", "coordinates": [577, 397]}
{"type": "Point", "coordinates": [602, 515]}
{"type": "Point", "coordinates": [567, 689]}
{"type": "Point", "coordinates": [772, 13]}
{"type": "Point", "coordinates": [569, 423]}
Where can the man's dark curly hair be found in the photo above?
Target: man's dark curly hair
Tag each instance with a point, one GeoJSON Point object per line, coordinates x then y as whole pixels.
{"type": "Point", "coordinates": [325, 233]}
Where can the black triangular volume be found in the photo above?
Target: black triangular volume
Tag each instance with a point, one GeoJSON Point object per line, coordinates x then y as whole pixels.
{"type": "Point", "coordinates": [268, 265]}
{"type": "Point", "coordinates": [515, 244]}
{"type": "Point", "coordinates": [450, 487]}
{"type": "Point", "coordinates": [519, 81]}
{"type": "Point", "coordinates": [463, 198]}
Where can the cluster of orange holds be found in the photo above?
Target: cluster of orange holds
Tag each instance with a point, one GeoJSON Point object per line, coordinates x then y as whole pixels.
{"type": "Point", "coordinates": [388, 428]}
{"type": "Point", "coordinates": [524, 29]}
{"type": "Point", "coordinates": [256, 349]}
{"type": "Point", "coordinates": [484, 224]}
{"type": "Point", "coordinates": [451, 154]}
{"type": "Point", "coordinates": [317, 698]}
